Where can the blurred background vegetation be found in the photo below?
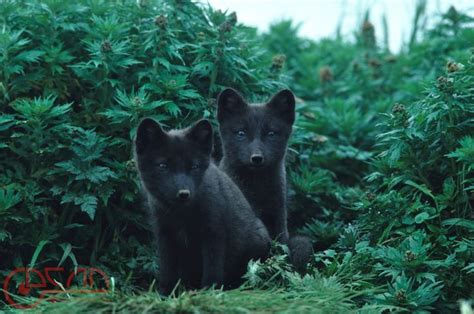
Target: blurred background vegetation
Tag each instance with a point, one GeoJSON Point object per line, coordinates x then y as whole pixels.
{"type": "Point", "coordinates": [381, 162]}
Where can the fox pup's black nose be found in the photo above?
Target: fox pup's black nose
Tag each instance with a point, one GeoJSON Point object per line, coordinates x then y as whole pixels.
{"type": "Point", "coordinates": [256, 159]}
{"type": "Point", "coordinates": [184, 194]}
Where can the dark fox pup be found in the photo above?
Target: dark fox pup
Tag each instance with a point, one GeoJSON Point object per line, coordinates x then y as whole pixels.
{"type": "Point", "coordinates": [206, 230]}
{"type": "Point", "coordinates": [254, 142]}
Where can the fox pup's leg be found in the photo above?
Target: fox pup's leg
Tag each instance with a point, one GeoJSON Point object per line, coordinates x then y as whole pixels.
{"type": "Point", "coordinates": [281, 228]}
{"type": "Point", "coordinates": [168, 263]}
{"type": "Point", "coordinates": [213, 257]}
{"type": "Point", "coordinates": [274, 218]}
{"type": "Point", "coordinates": [262, 242]}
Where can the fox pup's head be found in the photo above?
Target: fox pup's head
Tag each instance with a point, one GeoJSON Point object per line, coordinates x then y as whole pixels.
{"type": "Point", "coordinates": [172, 164]}
{"type": "Point", "coordinates": [255, 136]}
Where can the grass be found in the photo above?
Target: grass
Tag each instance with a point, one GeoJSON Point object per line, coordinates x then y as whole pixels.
{"type": "Point", "coordinates": [307, 294]}
{"type": "Point", "coordinates": [380, 166]}
{"type": "Point", "coordinates": [210, 301]}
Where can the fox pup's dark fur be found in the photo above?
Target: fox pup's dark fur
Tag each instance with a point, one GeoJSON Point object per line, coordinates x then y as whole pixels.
{"type": "Point", "coordinates": [254, 142]}
{"type": "Point", "coordinates": [206, 230]}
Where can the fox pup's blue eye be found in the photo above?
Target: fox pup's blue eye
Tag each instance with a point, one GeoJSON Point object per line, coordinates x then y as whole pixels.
{"type": "Point", "coordinates": [271, 133]}
{"type": "Point", "coordinates": [241, 133]}
{"type": "Point", "coordinates": [162, 165]}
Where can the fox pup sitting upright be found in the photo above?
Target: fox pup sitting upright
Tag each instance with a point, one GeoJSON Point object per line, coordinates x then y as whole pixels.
{"type": "Point", "coordinates": [254, 142]}
{"type": "Point", "coordinates": [206, 230]}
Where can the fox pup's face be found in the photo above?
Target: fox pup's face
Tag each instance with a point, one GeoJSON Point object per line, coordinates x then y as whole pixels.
{"type": "Point", "coordinates": [255, 136]}
{"type": "Point", "coordinates": [172, 164]}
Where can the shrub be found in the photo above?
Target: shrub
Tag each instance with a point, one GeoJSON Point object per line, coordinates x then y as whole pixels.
{"type": "Point", "coordinates": [380, 164]}
{"type": "Point", "coordinates": [76, 77]}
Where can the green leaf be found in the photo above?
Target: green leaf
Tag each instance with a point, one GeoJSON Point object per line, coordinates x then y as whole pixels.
{"type": "Point", "coordinates": [29, 56]}
{"type": "Point", "coordinates": [188, 94]}
{"type": "Point", "coordinates": [172, 109]}
{"type": "Point", "coordinates": [459, 222]}
{"type": "Point", "coordinates": [203, 68]}
{"type": "Point", "coordinates": [408, 220]}
{"type": "Point", "coordinates": [163, 62]}
{"type": "Point", "coordinates": [8, 198]}
{"type": "Point", "coordinates": [424, 189]}
{"type": "Point", "coordinates": [88, 204]}
{"type": "Point", "coordinates": [4, 235]}
{"type": "Point", "coordinates": [469, 268]}
{"type": "Point", "coordinates": [96, 174]}
{"type": "Point", "coordinates": [6, 121]}
{"type": "Point", "coordinates": [67, 249]}
{"type": "Point", "coordinates": [421, 217]}
{"type": "Point", "coordinates": [37, 252]}
{"type": "Point", "coordinates": [465, 153]}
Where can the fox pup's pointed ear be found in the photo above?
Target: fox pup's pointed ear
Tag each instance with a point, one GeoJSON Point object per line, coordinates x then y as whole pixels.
{"type": "Point", "coordinates": [283, 104]}
{"type": "Point", "coordinates": [149, 132]}
{"type": "Point", "coordinates": [229, 102]}
{"type": "Point", "coordinates": [201, 133]}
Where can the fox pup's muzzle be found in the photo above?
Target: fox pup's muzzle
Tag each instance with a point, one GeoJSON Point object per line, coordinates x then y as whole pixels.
{"type": "Point", "coordinates": [184, 194]}
{"type": "Point", "coordinates": [256, 159]}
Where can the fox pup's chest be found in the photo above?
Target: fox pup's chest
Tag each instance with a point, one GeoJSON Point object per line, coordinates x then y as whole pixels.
{"type": "Point", "coordinates": [188, 238]}
{"type": "Point", "coordinates": [266, 203]}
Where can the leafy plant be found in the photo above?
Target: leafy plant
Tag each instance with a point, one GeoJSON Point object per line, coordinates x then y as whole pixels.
{"type": "Point", "coordinates": [380, 163]}
{"type": "Point", "coordinates": [76, 78]}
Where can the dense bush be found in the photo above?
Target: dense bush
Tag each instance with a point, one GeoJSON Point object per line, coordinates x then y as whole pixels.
{"type": "Point", "coordinates": [381, 163]}
{"type": "Point", "coordinates": [382, 160]}
{"type": "Point", "coordinates": [76, 77]}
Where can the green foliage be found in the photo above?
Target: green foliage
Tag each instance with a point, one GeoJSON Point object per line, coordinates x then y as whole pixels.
{"type": "Point", "coordinates": [380, 166]}
{"type": "Point", "coordinates": [274, 272]}
{"type": "Point", "coordinates": [402, 293]}
{"type": "Point", "coordinates": [382, 163]}
{"type": "Point", "coordinates": [76, 78]}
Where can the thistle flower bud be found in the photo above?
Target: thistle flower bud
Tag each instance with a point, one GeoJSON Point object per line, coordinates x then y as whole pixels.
{"type": "Point", "coordinates": [442, 80]}
{"type": "Point", "coordinates": [278, 61]}
{"type": "Point", "coordinates": [374, 63]}
{"type": "Point", "coordinates": [371, 196]}
{"type": "Point", "coordinates": [453, 66]}
{"type": "Point", "coordinates": [410, 256]}
{"type": "Point", "coordinates": [232, 18]}
{"type": "Point", "coordinates": [390, 58]}
{"type": "Point", "coordinates": [325, 74]}
{"type": "Point", "coordinates": [368, 34]}
{"type": "Point", "coordinates": [445, 84]}
{"type": "Point", "coordinates": [106, 46]}
{"type": "Point", "coordinates": [398, 108]}
{"type": "Point", "coordinates": [401, 296]}
{"type": "Point", "coordinates": [161, 21]}
{"type": "Point", "coordinates": [201, 35]}
{"type": "Point", "coordinates": [225, 27]}
{"type": "Point", "coordinates": [355, 66]}
{"type": "Point", "coordinates": [401, 115]}
{"type": "Point", "coordinates": [137, 101]}
{"type": "Point", "coordinates": [368, 27]}
{"type": "Point", "coordinates": [453, 15]}
{"type": "Point", "coordinates": [130, 164]}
